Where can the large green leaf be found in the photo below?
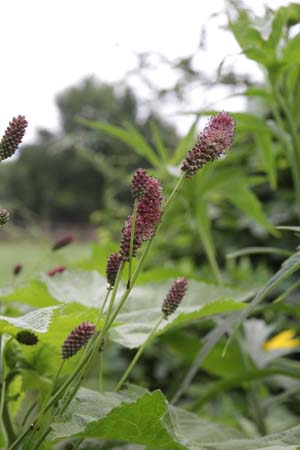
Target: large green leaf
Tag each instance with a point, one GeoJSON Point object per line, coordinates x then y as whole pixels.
{"type": "Point", "coordinates": [146, 419]}
{"type": "Point", "coordinates": [77, 286]}
{"type": "Point", "coordinates": [34, 294]}
{"type": "Point", "coordinates": [143, 309]}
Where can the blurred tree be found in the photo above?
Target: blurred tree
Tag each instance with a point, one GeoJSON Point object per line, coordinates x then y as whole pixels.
{"type": "Point", "coordinates": [66, 176]}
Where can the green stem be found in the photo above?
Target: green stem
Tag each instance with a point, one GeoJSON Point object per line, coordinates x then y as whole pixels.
{"type": "Point", "coordinates": [138, 354]}
{"type": "Point", "coordinates": [4, 414]}
{"type": "Point", "coordinates": [254, 401]}
{"type": "Point", "coordinates": [101, 372]}
{"type": "Point", "coordinates": [132, 235]}
{"type": "Point", "coordinates": [103, 306]}
{"type": "Point", "coordinates": [77, 445]}
{"type": "Point", "coordinates": [210, 340]}
{"type": "Point", "coordinates": [38, 420]}
{"type": "Point", "coordinates": [287, 292]}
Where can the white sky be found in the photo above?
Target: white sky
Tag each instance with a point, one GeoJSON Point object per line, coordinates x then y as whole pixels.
{"type": "Point", "coordinates": [48, 45]}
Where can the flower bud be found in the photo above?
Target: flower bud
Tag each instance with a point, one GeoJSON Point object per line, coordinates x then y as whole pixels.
{"type": "Point", "coordinates": [4, 216]}
{"type": "Point", "coordinates": [55, 271]}
{"type": "Point", "coordinates": [77, 339]}
{"type": "Point", "coordinates": [13, 136]}
{"type": "Point", "coordinates": [17, 269]}
{"type": "Point", "coordinates": [112, 267]}
{"type": "Point", "coordinates": [62, 242]}
{"type": "Point", "coordinates": [26, 337]}
{"type": "Point", "coordinates": [174, 297]}
{"type": "Point", "coordinates": [215, 139]}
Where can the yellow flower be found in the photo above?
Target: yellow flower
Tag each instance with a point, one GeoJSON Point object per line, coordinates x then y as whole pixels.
{"type": "Point", "coordinates": [285, 339]}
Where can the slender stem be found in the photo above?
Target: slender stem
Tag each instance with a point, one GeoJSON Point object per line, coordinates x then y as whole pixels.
{"type": "Point", "coordinates": [77, 445]}
{"type": "Point", "coordinates": [132, 235]}
{"type": "Point", "coordinates": [138, 354]}
{"type": "Point", "coordinates": [287, 292]}
{"type": "Point", "coordinates": [44, 405]}
{"type": "Point", "coordinates": [103, 306]}
{"type": "Point", "coordinates": [210, 341]}
{"type": "Point", "coordinates": [88, 356]}
{"type": "Point", "coordinates": [20, 438]}
{"type": "Point", "coordinates": [5, 420]}
{"type": "Point", "coordinates": [254, 401]}
{"type": "Point", "coordinates": [101, 372]}
{"type": "Point", "coordinates": [174, 192]}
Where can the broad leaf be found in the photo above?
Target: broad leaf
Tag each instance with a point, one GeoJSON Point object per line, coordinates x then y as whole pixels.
{"type": "Point", "coordinates": [143, 309]}
{"type": "Point", "coordinates": [146, 419]}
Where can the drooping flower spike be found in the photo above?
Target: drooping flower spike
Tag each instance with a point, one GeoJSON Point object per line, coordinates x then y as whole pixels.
{"type": "Point", "coordinates": [12, 137]}
{"type": "Point", "coordinates": [174, 297]}
{"type": "Point", "coordinates": [214, 140]}
{"type": "Point", "coordinates": [77, 339]}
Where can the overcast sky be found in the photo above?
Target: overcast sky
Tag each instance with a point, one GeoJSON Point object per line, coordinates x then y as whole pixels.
{"type": "Point", "coordinates": [47, 46]}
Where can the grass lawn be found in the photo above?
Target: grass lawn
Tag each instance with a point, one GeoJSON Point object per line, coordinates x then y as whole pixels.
{"type": "Point", "coordinates": [35, 256]}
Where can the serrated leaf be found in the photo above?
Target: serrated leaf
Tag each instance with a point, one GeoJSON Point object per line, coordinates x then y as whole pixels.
{"type": "Point", "coordinates": [143, 309]}
{"type": "Point", "coordinates": [37, 321]}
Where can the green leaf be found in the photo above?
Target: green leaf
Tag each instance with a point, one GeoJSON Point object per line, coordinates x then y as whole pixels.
{"type": "Point", "coordinates": [146, 420]}
{"type": "Point", "coordinates": [291, 52]}
{"type": "Point", "coordinates": [87, 288]}
{"type": "Point", "coordinates": [38, 321]}
{"type": "Point", "coordinates": [141, 146]}
{"type": "Point", "coordinates": [277, 27]}
{"type": "Point", "coordinates": [162, 150]}
{"type": "Point", "coordinates": [259, 250]}
{"type": "Point", "coordinates": [143, 308]}
{"type": "Point", "coordinates": [247, 202]}
{"type": "Point", "coordinates": [130, 137]}
{"type": "Point", "coordinates": [251, 41]}
{"type": "Point", "coordinates": [35, 294]}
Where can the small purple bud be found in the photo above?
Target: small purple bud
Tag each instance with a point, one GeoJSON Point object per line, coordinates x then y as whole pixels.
{"type": "Point", "coordinates": [174, 297]}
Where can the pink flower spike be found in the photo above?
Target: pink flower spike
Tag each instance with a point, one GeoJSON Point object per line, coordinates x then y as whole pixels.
{"type": "Point", "coordinates": [215, 139]}
{"type": "Point", "coordinates": [112, 267]}
{"type": "Point", "coordinates": [174, 297]}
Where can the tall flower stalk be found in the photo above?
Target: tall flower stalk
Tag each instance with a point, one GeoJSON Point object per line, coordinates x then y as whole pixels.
{"type": "Point", "coordinates": [139, 228]}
